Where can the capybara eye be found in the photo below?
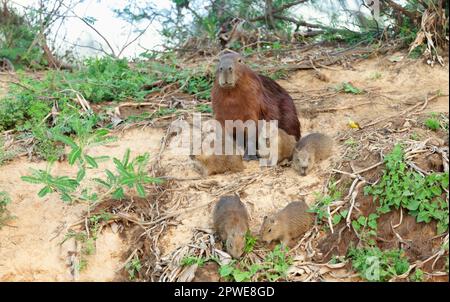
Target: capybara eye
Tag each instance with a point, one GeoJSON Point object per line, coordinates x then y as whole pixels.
{"type": "Point", "coordinates": [270, 230]}
{"type": "Point", "coordinates": [230, 68]}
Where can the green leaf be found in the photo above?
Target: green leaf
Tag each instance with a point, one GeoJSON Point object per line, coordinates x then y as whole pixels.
{"type": "Point", "coordinates": [65, 139]}
{"type": "Point", "coordinates": [44, 191]}
{"type": "Point", "coordinates": [31, 179]}
{"type": "Point", "coordinates": [74, 155]}
{"type": "Point", "coordinates": [118, 194]}
{"type": "Point", "coordinates": [81, 174]}
{"type": "Point", "coordinates": [356, 225]}
{"type": "Point", "coordinates": [362, 220]}
{"type": "Point", "coordinates": [240, 276]}
{"type": "Point", "coordinates": [102, 182]}
{"type": "Point", "coordinates": [436, 190]}
{"type": "Point", "coordinates": [225, 270]}
{"type": "Point", "coordinates": [423, 217]}
{"type": "Point", "coordinates": [140, 190]}
{"type": "Point", "coordinates": [91, 161]}
{"type": "Point", "coordinates": [413, 205]}
{"type": "Point", "coordinates": [66, 197]}
{"type": "Point", "coordinates": [126, 157]}
{"type": "Point", "coordinates": [337, 218]}
{"type": "Point", "coordinates": [101, 132]}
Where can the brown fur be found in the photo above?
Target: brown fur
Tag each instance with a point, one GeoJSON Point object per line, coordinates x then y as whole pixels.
{"type": "Point", "coordinates": [231, 224]}
{"type": "Point", "coordinates": [286, 146]}
{"type": "Point", "coordinates": [217, 164]}
{"type": "Point", "coordinates": [289, 223]}
{"type": "Point", "coordinates": [311, 149]}
{"type": "Point", "coordinates": [242, 94]}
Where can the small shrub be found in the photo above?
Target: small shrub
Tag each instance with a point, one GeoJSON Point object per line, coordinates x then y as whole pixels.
{"type": "Point", "coordinates": [432, 124]}
{"type": "Point", "coordinates": [373, 264]}
{"type": "Point", "coordinates": [420, 195]}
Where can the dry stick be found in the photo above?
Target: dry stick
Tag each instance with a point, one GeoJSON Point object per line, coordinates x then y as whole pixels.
{"type": "Point", "coordinates": [401, 219]}
{"type": "Point", "coordinates": [353, 199]}
{"type": "Point", "coordinates": [329, 67]}
{"type": "Point", "coordinates": [356, 174]}
{"type": "Point", "coordinates": [329, 220]}
{"type": "Point", "coordinates": [171, 215]}
{"type": "Point", "coordinates": [424, 104]}
{"type": "Point", "coordinates": [343, 108]}
{"type": "Point", "coordinates": [126, 261]}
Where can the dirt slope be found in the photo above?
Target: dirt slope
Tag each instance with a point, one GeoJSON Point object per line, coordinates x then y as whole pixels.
{"type": "Point", "coordinates": [29, 248]}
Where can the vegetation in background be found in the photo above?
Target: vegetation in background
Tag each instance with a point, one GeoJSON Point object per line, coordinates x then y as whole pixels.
{"type": "Point", "coordinates": [16, 39]}
{"type": "Point", "coordinates": [5, 155]}
{"type": "Point", "coordinates": [45, 108]}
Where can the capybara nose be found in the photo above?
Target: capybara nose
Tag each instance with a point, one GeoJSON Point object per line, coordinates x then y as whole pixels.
{"type": "Point", "coordinates": [230, 68]}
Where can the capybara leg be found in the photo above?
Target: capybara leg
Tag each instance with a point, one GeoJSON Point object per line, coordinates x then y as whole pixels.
{"type": "Point", "coordinates": [287, 242]}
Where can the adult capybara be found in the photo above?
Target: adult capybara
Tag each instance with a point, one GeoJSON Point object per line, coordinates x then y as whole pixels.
{"type": "Point", "coordinates": [239, 93]}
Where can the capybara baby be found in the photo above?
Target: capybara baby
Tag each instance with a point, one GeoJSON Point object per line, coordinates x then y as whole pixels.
{"type": "Point", "coordinates": [213, 164]}
{"type": "Point", "coordinates": [286, 145]}
{"type": "Point", "coordinates": [289, 223]}
{"type": "Point", "coordinates": [310, 150]}
{"type": "Point", "coordinates": [231, 224]}
{"type": "Point", "coordinates": [240, 94]}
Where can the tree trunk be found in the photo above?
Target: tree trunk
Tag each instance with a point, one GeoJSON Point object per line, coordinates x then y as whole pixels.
{"type": "Point", "coordinates": [269, 14]}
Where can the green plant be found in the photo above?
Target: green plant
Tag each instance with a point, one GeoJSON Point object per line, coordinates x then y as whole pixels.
{"type": "Point", "coordinates": [133, 267]}
{"type": "Point", "coordinates": [130, 173]}
{"type": "Point", "coordinates": [375, 76]}
{"type": "Point", "coordinates": [86, 137]}
{"type": "Point", "coordinates": [64, 185]}
{"type": "Point", "coordinates": [417, 52]}
{"type": "Point", "coordinates": [272, 268]}
{"type": "Point", "coordinates": [5, 155]}
{"type": "Point", "coordinates": [366, 227]}
{"type": "Point", "coordinates": [349, 88]}
{"type": "Point", "coordinates": [323, 201]}
{"type": "Point", "coordinates": [87, 247]}
{"type": "Point", "coordinates": [4, 201]}
{"type": "Point", "coordinates": [87, 239]}
{"type": "Point", "coordinates": [373, 264]}
{"type": "Point", "coordinates": [418, 275]}
{"type": "Point", "coordinates": [18, 32]}
{"type": "Point", "coordinates": [191, 260]}
{"type": "Point", "coordinates": [415, 136]}
{"type": "Point", "coordinates": [250, 242]}
{"type": "Point", "coordinates": [204, 108]}
{"type": "Point", "coordinates": [400, 187]}
{"type": "Point", "coordinates": [432, 123]}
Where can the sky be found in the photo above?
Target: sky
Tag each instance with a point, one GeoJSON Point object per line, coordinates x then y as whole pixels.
{"type": "Point", "coordinates": [75, 34]}
{"type": "Point", "coordinates": [114, 29]}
